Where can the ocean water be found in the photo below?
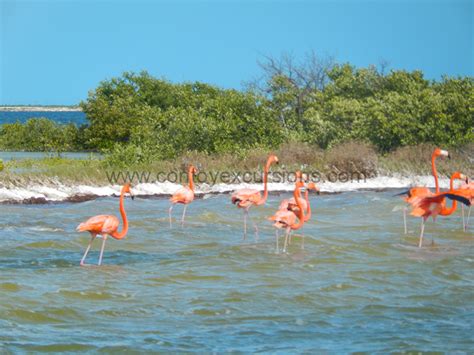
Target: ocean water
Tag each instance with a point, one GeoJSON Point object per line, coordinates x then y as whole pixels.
{"type": "Point", "coordinates": [76, 117]}
{"type": "Point", "coordinates": [359, 284]}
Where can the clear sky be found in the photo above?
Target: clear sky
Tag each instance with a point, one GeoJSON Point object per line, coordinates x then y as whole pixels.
{"type": "Point", "coordinates": [54, 52]}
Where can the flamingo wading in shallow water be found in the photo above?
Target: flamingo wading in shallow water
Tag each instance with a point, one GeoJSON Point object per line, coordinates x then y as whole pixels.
{"type": "Point", "coordinates": [287, 219]}
{"type": "Point", "coordinates": [105, 225]}
{"type": "Point", "coordinates": [306, 206]}
{"type": "Point", "coordinates": [184, 195]}
{"type": "Point", "coordinates": [435, 204]}
{"type": "Point", "coordinates": [290, 204]}
{"type": "Point", "coordinates": [246, 198]}
{"type": "Point", "coordinates": [416, 192]}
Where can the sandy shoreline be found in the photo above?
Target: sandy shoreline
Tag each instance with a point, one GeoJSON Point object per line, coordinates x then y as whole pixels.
{"type": "Point", "coordinates": [40, 108]}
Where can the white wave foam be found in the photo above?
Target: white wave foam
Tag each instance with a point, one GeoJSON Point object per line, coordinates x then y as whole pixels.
{"type": "Point", "coordinates": [45, 229]}
{"type": "Point", "coordinates": [60, 192]}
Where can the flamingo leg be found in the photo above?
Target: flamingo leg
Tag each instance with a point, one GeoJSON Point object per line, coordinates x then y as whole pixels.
{"type": "Point", "coordinates": [286, 239]}
{"type": "Point", "coordinates": [184, 214]}
{"type": "Point", "coordinates": [405, 219]}
{"type": "Point", "coordinates": [276, 239]}
{"type": "Point", "coordinates": [421, 234]}
{"type": "Point", "coordinates": [254, 226]}
{"type": "Point", "coordinates": [169, 214]}
{"type": "Point", "coordinates": [104, 238]}
{"type": "Point", "coordinates": [467, 220]}
{"type": "Point", "coordinates": [87, 250]}
{"type": "Point", "coordinates": [302, 244]}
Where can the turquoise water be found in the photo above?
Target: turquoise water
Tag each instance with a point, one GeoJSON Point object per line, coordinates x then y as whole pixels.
{"type": "Point", "coordinates": [76, 117]}
{"type": "Point", "coordinates": [359, 284]}
{"type": "Point", "coordinates": [41, 155]}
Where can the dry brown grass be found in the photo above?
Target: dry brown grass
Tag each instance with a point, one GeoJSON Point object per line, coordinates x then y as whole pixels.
{"type": "Point", "coordinates": [301, 154]}
{"type": "Point", "coordinates": [352, 157]}
{"type": "Point", "coordinates": [417, 160]}
{"type": "Point", "coordinates": [289, 155]}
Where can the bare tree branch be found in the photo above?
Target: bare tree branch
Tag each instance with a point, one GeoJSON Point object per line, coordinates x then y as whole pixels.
{"type": "Point", "coordinates": [306, 75]}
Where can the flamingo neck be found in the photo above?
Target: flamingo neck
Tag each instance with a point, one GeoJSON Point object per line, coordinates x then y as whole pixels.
{"type": "Point", "coordinates": [434, 171]}
{"type": "Point", "coordinates": [308, 206]}
{"type": "Point", "coordinates": [124, 231]}
{"type": "Point", "coordinates": [190, 179]}
{"type": "Point", "coordinates": [265, 181]}
{"type": "Point", "coordinates": [454, 204]}
{"type": "Point", "coordinates": [300, 214]}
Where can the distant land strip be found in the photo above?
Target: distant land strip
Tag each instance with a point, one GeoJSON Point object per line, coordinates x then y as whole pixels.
{"type": "Point", "coordinates": [40, 108]}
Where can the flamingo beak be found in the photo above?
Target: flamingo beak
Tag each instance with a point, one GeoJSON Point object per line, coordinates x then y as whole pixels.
{"type": "Point", "coordinates": [132, 195]}
{"type": "Point", "coordinates": [403, 193]}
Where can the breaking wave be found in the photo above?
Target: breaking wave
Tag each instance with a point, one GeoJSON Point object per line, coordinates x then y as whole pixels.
{"type": "Point", "coordinates": [62, 193]}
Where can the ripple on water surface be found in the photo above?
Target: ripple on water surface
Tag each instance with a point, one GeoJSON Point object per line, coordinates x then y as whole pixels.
{"type": "Point", "coordinates": [359, 284]}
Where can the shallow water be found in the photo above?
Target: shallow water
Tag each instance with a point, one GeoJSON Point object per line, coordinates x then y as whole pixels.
{"type": "Point", "coordinates": [358, 285]}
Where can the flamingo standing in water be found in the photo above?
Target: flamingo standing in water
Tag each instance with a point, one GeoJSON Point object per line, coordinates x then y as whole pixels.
{"type": "Point", "coordinates": [306, 206]}
{"type": "Point", "coordinates": [432, 205]}
{"type": "Point", "coordinates": [287, 219]}
{"type": "Point", "coordinates": [417, 192]}
{"type": "Point", "coordinates": [246, 198]}
{"type": "Point", "coordinates": [290, 204]}
{"type": "Point", "coordinates": [104, 225]}
{"type": "Point", "coordinates": [184, 195]}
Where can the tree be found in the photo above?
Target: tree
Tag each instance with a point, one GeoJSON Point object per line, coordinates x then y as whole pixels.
{"type": "Point", "coordinates": [287, 84]}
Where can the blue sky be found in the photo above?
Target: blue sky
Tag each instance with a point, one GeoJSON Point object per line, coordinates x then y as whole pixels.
{"type": "Point", "coordinates": [54, 52]}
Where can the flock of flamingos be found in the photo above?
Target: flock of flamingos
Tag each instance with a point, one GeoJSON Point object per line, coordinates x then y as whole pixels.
{"type": "Point", "coordinates": [293, 213]}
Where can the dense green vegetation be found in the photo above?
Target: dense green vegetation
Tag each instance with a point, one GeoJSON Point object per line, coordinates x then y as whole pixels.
{"type": "Point", "coordinates": [137, 118]}
{"type": "Point", "coordinates": [41, 135]}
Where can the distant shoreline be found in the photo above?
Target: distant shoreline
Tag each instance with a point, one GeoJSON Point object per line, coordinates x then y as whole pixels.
{"type": "Point", "coordinates": [40, 108]}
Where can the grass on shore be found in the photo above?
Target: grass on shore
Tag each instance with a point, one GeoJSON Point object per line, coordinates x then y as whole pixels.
{"type": "Point", "coordinates": [350, 157]}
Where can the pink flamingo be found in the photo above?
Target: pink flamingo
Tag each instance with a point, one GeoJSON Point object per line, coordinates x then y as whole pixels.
{"type": "Point", "coordinates": [246, 198]}
{"type": "Point", "coordinates": [290, 204]}
{"type": "Point", "coordinates": [287, 219]}
{"type": "Point", "coordinates": [184, 195]}
{"type": "Point", "coordinates": [104, 225]}
{"type": "Point", "coordinates": [434, 204]}
{"type": "Point", "coordinates": [416, 192]}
